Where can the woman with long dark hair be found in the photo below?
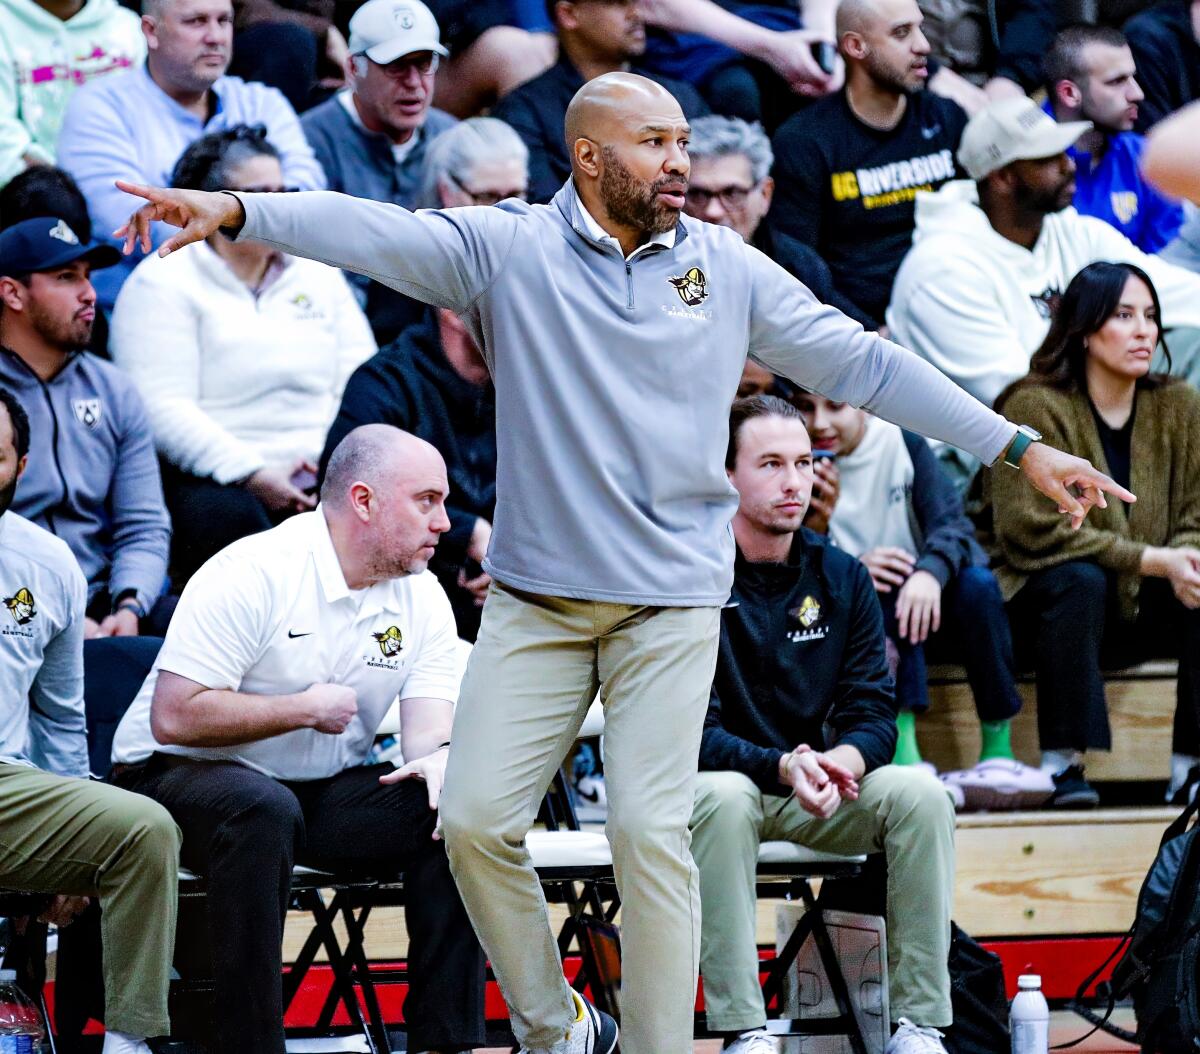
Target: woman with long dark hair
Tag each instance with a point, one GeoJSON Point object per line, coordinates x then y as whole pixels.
{"type": "Point", "coordinates": [241, 354]}
{"type": "Point", "coordinates": [1126, 585]}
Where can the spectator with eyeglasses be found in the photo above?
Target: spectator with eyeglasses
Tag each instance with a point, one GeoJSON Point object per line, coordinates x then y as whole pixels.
{"type": "Point", "coordinates": [372, 137]}
{"type": "Point", "coordinates": [238, 433]}
{"type": "Point", "coordinates": [731, 185]}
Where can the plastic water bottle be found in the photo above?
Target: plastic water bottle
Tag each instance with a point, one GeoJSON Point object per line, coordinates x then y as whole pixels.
{"type": "Point", "coordinates": [1029, 1017]}
{"type": "Point", "coordinates": [21, 1029]}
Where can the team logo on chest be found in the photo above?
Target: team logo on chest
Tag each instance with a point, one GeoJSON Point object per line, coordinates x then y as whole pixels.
{"type": "Point", "coordinates": [692, 286]}
{"type": "Point", "coordinates": [390, 643]}
{"type": "Point", "coordinates": [87, 411]}
{"type": "Point", "coordinates": [21, 606]}
{"type": "Point", "coordinates": [808, 614]}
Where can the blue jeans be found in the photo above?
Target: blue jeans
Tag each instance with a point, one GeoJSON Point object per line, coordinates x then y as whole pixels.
{"type": "Point", "coordinates": [974, 631]}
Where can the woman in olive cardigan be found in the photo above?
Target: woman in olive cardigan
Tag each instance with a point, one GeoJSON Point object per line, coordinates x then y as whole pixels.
{"type": "Point", "coordinates": [1126, 585]}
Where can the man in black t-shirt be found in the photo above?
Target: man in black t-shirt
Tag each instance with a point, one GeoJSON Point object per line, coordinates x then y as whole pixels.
{"type": "Point", "coordinates": [594, 37]}
{"type": "Point", "coordinates": [848, 168]}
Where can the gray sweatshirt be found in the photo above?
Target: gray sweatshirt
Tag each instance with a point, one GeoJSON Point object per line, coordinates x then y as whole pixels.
{"type": "Point", "coordinates": [614, 376]}
{"type": "Point", "coordinates": [93, 476]}
{"type": "Point", "coordinates": [42, 593]}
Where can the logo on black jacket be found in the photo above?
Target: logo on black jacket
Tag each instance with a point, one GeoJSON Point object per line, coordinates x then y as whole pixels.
{"type": "Point", "coordinates": [20, 605]}
{"type": "Point", "coordinates": [87, 411]}
{"type": "Point", "coordinates": [691, 286]}
{"type": "Point", "coordinates": [808, 614]}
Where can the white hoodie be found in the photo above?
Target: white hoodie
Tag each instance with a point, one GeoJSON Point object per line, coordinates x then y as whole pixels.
{"type": "Point", "coordinates": [977, 305]}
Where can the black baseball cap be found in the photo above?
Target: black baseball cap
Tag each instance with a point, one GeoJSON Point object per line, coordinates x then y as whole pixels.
{"type": "Point", "coordinates": [45, 242]}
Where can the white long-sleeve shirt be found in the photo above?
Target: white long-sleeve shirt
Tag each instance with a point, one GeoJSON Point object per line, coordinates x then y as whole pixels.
{"type": "Point", "coordinates": [977, 305]}
{"type": "Point", "coordinates": [234, 381]}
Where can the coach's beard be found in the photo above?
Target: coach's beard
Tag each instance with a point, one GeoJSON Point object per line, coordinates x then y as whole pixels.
{"type": "Point", "coordinates": [634, 203]}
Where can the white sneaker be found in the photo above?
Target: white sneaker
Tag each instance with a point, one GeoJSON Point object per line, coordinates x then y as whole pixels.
{"type": "Point", "coordinates": [120, 1043]}
{"type": "Point", "coordinates": [756, 1041]}
{"type": "Point", "coordinates": [593, 1032]}
{"type": "Point", "coordinates": [1002, 783]}
{"type": "Point", "coordinates": [913, 1039]}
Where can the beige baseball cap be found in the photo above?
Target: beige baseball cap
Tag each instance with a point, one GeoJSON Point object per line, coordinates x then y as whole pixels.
{"type": "Point", "coordinates": [385, 30]}
{"type": "Point", "coordinates": [1013, 130]}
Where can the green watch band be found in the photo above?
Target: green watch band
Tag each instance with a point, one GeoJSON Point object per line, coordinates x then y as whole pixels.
{"type": "Point", "coordinates": [1022, 441]}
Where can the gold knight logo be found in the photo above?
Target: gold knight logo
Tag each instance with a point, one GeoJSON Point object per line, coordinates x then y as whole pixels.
{"type": "Point", "coordinates": [691, 286]}
{"type": "Point", "coordinates": [390, 641]}
{"type": "Point", "coordinates": [808, 613]}
{"type": "Point", "coordinates": [20, 605]}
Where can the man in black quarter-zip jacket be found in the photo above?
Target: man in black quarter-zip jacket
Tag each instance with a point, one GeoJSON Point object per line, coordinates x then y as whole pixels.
{"type": "Point", "coordinates": [800, 728]}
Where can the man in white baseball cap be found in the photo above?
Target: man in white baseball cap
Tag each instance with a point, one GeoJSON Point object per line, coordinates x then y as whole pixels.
{"type": "Point", "coordinates": [1013, 130]}
{"type": "Point", "coordinates": [385, 30]}
{"type": "Point", "coordinates": [372, 136]}
{"type": "Point", "coordinates": [975, 294]}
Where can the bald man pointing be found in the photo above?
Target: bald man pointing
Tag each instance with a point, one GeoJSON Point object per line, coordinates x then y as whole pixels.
{"type": "Point", "coordinates": [612, 553]}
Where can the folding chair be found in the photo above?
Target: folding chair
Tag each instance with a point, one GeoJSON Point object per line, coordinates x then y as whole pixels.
{"type": "Point", "coordinates": [786, 870]}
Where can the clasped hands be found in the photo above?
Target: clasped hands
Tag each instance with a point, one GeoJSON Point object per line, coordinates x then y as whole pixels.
{"type": "Point", "coordinates": [818, 782]}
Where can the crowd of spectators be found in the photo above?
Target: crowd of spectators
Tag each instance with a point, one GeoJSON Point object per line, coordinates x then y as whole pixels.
{"type": "Point", "coordinates": [963, 177]}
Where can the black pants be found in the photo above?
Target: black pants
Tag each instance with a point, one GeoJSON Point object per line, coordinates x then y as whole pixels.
{"type": "Point", "coordinates": [974, 631]}
{"type": "Point", "coordinates": [206, 516]}
{"type": "Point", "coordinates": [243, 832]}
{"type": "Point", "coordinates": [1066, 622]}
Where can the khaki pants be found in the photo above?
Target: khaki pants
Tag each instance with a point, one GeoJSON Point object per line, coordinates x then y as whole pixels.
{"type": "Point", "coordinates": [71, 836]}
{"type": "Point", "coordinates": [901, 811]}
{"type": "Point", "coordinates": [531, 677]}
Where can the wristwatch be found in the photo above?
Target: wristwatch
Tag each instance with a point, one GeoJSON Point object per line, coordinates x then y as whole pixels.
{"type": "Point", "coordinates": [1021, 442]}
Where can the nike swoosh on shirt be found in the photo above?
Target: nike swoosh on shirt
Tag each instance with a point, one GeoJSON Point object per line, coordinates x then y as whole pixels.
{"type": "Point", "coordinates": [928, 131]}
{"type": "Point", "coordinates": [292, 634]}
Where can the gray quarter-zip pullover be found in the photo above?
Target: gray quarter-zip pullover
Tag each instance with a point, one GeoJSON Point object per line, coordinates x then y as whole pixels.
{"type": "Point", "coordinates": [614, 376]}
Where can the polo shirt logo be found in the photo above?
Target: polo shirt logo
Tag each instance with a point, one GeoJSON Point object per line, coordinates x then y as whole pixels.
{"type": "Point", "coordinates": [390, 641]}
{"type": "Point", "coordinates": [692, 286]}
{"type": "Point", "coordinates": [87, 411]}
{"type": "Point", "coordinates": [21, 606]}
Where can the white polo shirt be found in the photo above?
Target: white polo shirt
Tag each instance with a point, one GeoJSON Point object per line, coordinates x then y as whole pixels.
{"type": "Point", "coordinates": [272, 615]}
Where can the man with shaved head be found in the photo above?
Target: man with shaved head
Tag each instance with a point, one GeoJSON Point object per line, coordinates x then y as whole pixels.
{"type": "Point", "coordinates": [611, 553]}
{"type": "Point", "coordinates": [848, 169]}
{"type": "Point", "coordinates": [286, 651]}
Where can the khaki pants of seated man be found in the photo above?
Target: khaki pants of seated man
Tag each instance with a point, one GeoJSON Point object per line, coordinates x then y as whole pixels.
{"type": "Point", "coordinates": [901, 811]}
{"type": "Point", "coordinates": [531, 677]}
{"type": "Point", "coordinates": [72, 836]}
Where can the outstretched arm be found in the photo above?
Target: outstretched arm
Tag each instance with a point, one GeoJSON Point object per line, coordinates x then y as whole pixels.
{"type": "Point", "coordinates": [444, 258]}
{"type": "Point", "coordinates": [820, 349]}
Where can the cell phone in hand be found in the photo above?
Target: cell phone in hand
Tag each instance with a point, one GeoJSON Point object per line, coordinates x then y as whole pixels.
{"type": "Point", "coordinates": [820, 454]}
{"type": "Point", "coordinates": [824, 55]}
{"type": "Point", "coordinates": [304, 480]}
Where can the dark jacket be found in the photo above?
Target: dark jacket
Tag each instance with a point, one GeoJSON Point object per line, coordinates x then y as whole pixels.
{"type": "Point", "coordinates": [538, 108]}
{"type": "Point", "coordinates": [1167, 54]}
{"type": "Point", "coordinates": [801, 660]}
{"type": "Point", "coordinates": [1026, 31]}
{"type": "Point", "coordinates": [803, 262]}
{"type": "Point", "coordinates": [410, 384]}
{"type": "Point", "coordinates": [945, 537]}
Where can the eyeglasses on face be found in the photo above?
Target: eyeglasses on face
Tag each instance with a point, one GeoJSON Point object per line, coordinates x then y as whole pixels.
{"type": "Point", "coordinates": [486, 197]}
{"type": "Point", "coordinates": [424, 62]}
{"type": "Point", "coordinates": [732, 197]}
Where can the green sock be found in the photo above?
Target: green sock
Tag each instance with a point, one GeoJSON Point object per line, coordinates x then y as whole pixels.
{"type": "Point", "coordinates": [997, 740]}
{"type": "Point", "coordinates": [907, 751]}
